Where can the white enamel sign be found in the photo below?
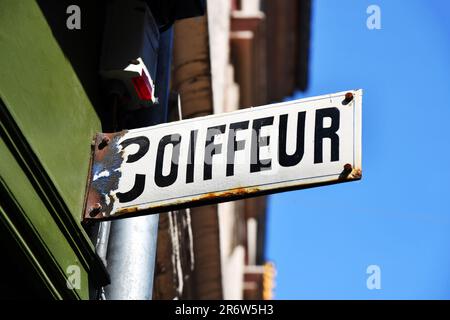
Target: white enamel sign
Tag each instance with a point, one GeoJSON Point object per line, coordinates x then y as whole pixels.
{"type": "Point", "coordinates": [222, 157]}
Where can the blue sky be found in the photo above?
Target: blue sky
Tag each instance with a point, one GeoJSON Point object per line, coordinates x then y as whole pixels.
{"type": "Point", "coordinates": [398, 216]}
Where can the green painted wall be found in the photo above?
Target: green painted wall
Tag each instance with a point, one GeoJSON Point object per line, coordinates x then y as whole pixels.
{"type": "Point", "coordinates": [38, 218]}
{"type": "Point", "coordinates": [47, 101]}
{"type": "Point", "coordinates": [48, 104]}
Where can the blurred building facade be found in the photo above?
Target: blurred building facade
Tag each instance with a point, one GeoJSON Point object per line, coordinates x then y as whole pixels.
{"type": "Point", "coordinates": [241, 54]}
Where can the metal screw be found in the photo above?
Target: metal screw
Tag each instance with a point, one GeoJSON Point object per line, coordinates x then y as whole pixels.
{"type": "Point", "coordinates": [348, 167]}
{"type": "Point", "coordinates": [95, 209]}
{"type": "Point", "coordinates": [103, 143]}
{"type": "Point", "coordinates": [348, 98]}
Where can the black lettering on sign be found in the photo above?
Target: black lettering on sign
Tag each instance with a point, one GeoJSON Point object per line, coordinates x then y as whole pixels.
{"type": "Point", "coordinates": [160, 179]}
{"type": "Point", "coordinates": [284, 159]}
{"type": "Point", "coordinates": [329, 132]}
{"type": "Point", "coordinates": [143, 144]}
{"type": "Point", "coordinates": [139, 182]}
{"type": "Point", "coordinates": [234, 145]}
{"type": "Point", "coordinates": [191, 157]}
{"type": "Point", "coordinates": [136, 191]}
{"type": "Point", "coordinates": [211, 149]}
{"type": "Point", "coordinates": [259, 141]}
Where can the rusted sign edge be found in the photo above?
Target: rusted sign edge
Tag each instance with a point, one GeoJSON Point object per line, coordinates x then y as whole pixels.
{"type": "Point", "coordinates": [103, 148]}
{"type": "Point", "coordinates": [88, 178]}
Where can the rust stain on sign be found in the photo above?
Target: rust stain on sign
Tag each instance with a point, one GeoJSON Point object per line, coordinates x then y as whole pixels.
{"type": "Point", "coordinates": [237, 192]}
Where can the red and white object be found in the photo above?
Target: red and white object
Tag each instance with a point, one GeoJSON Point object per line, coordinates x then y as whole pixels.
{"type": "Point", "coordinates": [130, 51]}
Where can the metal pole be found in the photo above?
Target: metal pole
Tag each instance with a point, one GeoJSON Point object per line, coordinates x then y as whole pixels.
{"type": "Point", "coordinates": [132, 242]}
{"type": "Point", "coordinates": [131, 258]}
